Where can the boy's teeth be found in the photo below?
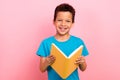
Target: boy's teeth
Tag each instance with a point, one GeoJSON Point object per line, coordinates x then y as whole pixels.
{"type": "Point", "coordinates": [62, 29]}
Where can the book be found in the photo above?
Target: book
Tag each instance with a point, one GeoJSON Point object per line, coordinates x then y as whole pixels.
{"type": "Point", "coordinates": [64, 65]}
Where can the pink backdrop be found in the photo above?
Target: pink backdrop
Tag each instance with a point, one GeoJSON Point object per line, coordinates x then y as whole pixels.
{"type": "Point", "coordinates": [24, 23]}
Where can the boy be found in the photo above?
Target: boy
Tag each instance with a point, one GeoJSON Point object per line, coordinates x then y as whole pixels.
{"type": "Point", "coordinates": [63, 21]}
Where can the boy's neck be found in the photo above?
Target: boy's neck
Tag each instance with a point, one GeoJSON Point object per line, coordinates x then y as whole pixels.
{"type": "Point", "coordinates": [62, 38]}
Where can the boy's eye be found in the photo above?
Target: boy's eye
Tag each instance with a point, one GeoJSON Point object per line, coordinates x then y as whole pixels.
{"type": "Point", "coordinates": [68, 21]}
{"type": "Point", "coordinates": [59, 20]}
{"type": "Point", "coordinates": [65, 20]}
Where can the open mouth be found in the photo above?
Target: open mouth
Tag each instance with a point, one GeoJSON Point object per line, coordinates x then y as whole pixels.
{"type": "Point", "coordinates": [62, 29]}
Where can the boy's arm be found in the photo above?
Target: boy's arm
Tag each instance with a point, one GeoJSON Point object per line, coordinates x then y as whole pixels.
{"type": "Point", "coordinates": [45, 62]}
{"type": "Point", "coordinates": [83, 66]}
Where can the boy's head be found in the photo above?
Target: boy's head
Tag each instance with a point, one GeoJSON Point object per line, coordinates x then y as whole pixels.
{"type": "Point", "coordinates": [65, 8]}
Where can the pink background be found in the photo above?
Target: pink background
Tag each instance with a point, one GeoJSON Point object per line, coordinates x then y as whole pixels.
{"type": "Point", "coordinates": [24, 23]}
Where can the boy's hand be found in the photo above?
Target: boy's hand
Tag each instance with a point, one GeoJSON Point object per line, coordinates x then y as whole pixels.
{"type": "Point", "coordinates": [82, 63]}
{"type": "Point", "coordinates": [80, 60]}
{"type": "Point", "coordinates": [45, 62]}
{"type": "Point", "coordinates": [50, 59]}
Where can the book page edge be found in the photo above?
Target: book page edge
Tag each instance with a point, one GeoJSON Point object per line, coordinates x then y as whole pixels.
{"type": "Point", "coordinates": [60, 50]}
{"type": "Point", "coordinates": [81, 46]}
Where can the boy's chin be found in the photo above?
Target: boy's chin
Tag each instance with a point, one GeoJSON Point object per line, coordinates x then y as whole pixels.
{"type": "Point", "coordinates": [63, 34]}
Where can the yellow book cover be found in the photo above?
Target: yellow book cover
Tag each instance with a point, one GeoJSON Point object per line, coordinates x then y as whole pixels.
{"type": "Point", "coordinates": [64, 65]}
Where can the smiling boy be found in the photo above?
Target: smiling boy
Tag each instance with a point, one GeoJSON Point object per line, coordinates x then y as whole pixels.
{"type": "Point", "coordinates": [63, 21]}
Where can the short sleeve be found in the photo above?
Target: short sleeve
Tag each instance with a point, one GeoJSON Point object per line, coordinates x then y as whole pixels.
{"type": "Point", "coordinates": [41, 50]}
{"type": "Point", "coordinates": [84, 51]}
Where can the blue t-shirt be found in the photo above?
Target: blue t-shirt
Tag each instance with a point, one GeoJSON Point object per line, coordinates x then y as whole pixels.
{"type": "Point", "coordinates": [67, 47]}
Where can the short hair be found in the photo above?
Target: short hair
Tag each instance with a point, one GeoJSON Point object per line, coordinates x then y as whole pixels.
{"type": "Point", "coordinates": [64, 7]}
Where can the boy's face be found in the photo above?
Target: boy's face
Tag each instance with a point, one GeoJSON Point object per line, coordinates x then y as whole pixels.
{"type": "Point", "coordinates": [63, 22]}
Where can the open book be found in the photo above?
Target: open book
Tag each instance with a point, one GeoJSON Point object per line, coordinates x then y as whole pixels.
{"type": "Point", "coordinates": [64, 65]}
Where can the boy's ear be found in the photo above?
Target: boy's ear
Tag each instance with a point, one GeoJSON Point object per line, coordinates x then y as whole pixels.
{"type": "Point", "coordinates": [72, 24]}
{"type": "Point", "coordinates": [53, 22]}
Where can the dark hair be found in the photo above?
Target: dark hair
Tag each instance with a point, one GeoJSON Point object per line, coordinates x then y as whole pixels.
{"type": "Point", "coordinates": [64, 7]}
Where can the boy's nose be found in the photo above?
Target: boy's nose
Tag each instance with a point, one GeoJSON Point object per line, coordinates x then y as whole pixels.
{"type": "Point", "coordinates": [63, 23]}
